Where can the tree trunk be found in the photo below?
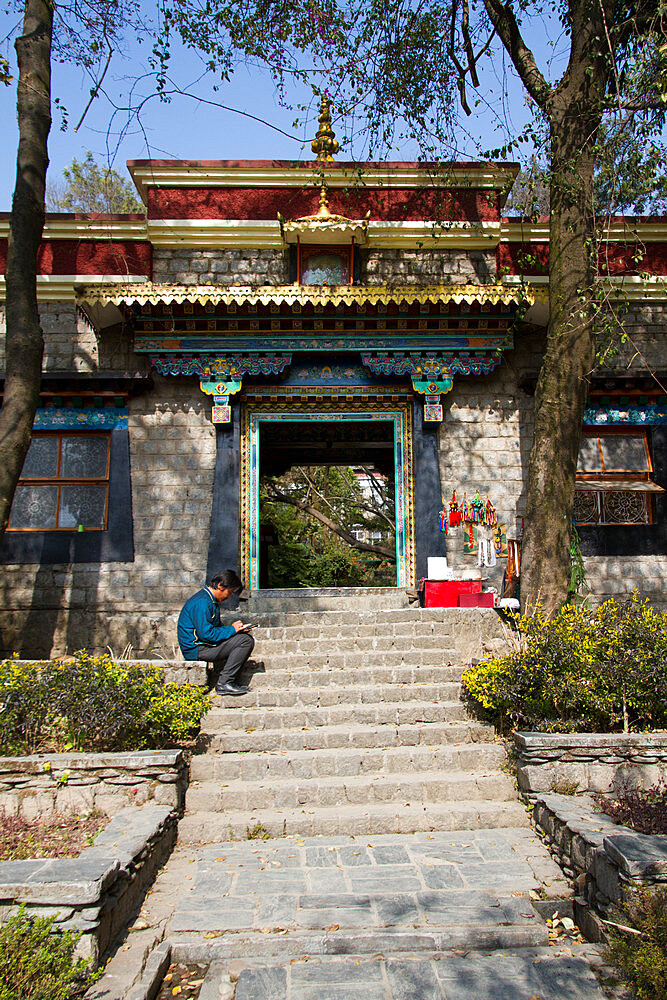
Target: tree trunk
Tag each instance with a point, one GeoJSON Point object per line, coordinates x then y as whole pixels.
{"type": "Point", "coordinates": [569, 359]}
{"type": "Point", "coordinates": [24, 339]}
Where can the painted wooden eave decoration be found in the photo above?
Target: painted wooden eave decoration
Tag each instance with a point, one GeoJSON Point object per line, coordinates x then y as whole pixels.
{"type": "Point", "coordinates": [318, 295]}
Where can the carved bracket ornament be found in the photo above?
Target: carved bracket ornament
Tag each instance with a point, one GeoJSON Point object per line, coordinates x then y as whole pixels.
{"type": "Point", "coordinates": [220, 388]}
{"type": "Point", "coordinates": [431, 367]}
{"type": "Point", "coordinates": [432, 374]}
{"type": "Point", "coordinates": [225, 369]}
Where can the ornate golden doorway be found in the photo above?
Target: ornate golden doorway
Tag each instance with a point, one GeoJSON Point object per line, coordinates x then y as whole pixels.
{"type": "Point", "coordinates": [398, 414]}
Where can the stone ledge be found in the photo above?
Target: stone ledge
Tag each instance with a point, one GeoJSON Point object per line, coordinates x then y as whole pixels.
{"type": "Point", "coordinates": [175, 671]}
{"type": "Point", "coordinates": [536, 742]}
{"type": "Point", "coordinates": [639, 856]}
{"type": "Point", "coordinates": [178, 671]}
{"type": "Point", "coordinates": [97, 892]}
{"type": "Point", "coordinates": [590, 762]}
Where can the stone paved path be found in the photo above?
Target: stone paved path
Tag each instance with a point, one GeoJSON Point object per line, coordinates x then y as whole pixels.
{"type": "Point", "coordinates": [392, 917]}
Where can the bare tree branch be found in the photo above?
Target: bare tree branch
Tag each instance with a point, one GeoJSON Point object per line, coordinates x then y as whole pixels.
{"type": "Point", "coordinates": [505, 23]}
{"type": "Point", "coordinates": [347, 536]}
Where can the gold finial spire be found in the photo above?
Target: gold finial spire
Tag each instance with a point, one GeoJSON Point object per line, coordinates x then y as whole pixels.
{"type": "Point", "coordinates": [324, 143]}
{"type": "Point", "coordinates": [323, 211]}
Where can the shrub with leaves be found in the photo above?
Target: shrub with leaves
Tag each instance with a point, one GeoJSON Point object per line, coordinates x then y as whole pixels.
{"type": "Point", "coordinates": [36, 964]}
{"type": "Point", "coordinates": [642, 958]}
{"type": "Point", "coordinates": [642, 809]}
{"type": "Point", "coordinates": [579, 671]}
{"type": "Point", "coordinates": [91, 702]}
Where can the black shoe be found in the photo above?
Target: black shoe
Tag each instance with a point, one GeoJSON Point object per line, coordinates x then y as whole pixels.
{"type": "Point", "coordinates": [230, 688]}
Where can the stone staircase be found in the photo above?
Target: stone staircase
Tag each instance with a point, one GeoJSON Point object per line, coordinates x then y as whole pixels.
{"type": "Point", "coordinates": [355, 727]}
{"type": "Point", "coordinates": [399, 863]}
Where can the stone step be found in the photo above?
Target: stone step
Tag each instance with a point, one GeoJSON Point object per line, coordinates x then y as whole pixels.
{"type": "Point", "coordinates": [344, 790]}
{"type": "Point", "coordinates": [328, 598]}
{"type": "Point", "coordinates": [239, 718]}
{"type": "Point", "coordinates": [349, 734]}
{"type": "Point", "coordinates": [369, 659]}
{"type": "Point", "coordinates": [364, 635]}
{"type": "Point", "coordinates": [365, 820]}
{"type": "Point", "coordinates": [477, 935]}
{"type": "Point", "coordinates": [425, 973]}
{"type": "Point", "coordinates": [476, 621]}
{"type": "Point", "coordinates": [346, 761]}
{"type": "Point", "coordinates": [301, 677]}
{"type": "Point", "coordinates": [275, 696]}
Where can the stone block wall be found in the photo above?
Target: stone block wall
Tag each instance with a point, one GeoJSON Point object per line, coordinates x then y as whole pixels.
{"type": "Point", "coordinates": [41, 784]}
{"type": "Point", "coordinates": [69, 341]}
{"type": "Point", "coordinates": [51, 609]}
{"type": "Point", "coordinates": [431, 267]}
{"type": "Point", "coordinates": [645, 324]}
{"type": "Point", "coordinates": [484, 444]}
{"type": "Point", "coordinates": [221, 267]}
{"type": "Point", "coordinates": [618, 576]}
{"type": "Point", "coordinates": [605, 860]}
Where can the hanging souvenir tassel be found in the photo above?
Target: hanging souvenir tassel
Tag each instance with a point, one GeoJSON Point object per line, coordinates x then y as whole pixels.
{"type": "Point", "coordinates": [443, 518]}
{"type": "Point", "coordinates": [489, 514]}
{"type": "Point", "coordinates": [454, 511]}
{"type": "Point", "coordinates": [477, 508]}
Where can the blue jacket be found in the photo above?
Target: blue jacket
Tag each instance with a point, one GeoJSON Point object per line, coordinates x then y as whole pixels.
{"type": "Point", "coordinates": [199, 624]}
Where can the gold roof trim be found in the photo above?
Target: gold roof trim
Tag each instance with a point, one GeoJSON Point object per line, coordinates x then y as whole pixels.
{"type": "Point", "coordinates": [141, 294]}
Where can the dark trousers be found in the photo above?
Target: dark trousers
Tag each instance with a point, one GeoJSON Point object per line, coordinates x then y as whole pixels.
{"type": "Point", "coordinates": [230, 655]}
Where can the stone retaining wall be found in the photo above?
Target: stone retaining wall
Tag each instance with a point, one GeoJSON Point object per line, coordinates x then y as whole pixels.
{"type": "Point", "coordinates": [59, 782]}
{"type": "Point", "coordinates": [589, 762]}
{"type": "Point", "coordinates": [604, 859]}
{"type": "Point", "coordinates": [99, 892]}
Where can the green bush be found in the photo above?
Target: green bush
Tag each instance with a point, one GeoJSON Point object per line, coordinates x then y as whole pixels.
{"type": "Point", "coordinates": [579, 671]}
{"type": "Point", "coordinates": [36, 964]}
{"type": "Point", "coordinates": [642, 958]}
{"type": "Point", "coordinates": [93, 703]}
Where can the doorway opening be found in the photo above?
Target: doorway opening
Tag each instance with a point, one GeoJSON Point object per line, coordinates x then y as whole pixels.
{"type": "Point", "coordinates": [326, 497]}
{"type": "Point", "coordinates": [327, 510]}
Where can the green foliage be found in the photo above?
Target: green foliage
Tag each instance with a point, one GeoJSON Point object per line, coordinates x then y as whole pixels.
{"type": "Point", "coordinates": [642, 959]}
{"type": "Point", "coordinates": [257, 832]}
{"type": "Point", "coordinates": [579, 671]}
{"type": "Point", "coordinates": [312, 553]}
{"type": "Point", "coordinates": [90, 187]}
{"type": "Point", "coordinates": [577, 586]}
{"type": "Point", "coordinates": [93, 703]}
{"type": "Point", "coordinates": [36, 964]}
{"type": "Point", "coordinates": [630, 176]}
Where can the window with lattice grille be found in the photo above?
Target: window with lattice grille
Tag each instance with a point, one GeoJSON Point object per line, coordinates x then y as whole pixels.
{"type": "Point", "coordinates": [614, 478]}
{"type": "Point", "coordinates": [64, 485]}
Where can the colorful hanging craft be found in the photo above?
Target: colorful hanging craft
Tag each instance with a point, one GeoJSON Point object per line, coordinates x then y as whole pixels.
{"type": "Point", "coordinates": [443, 518]}
{"type": "Point", "coordinates": [475, 511]}
{"type": "Point", "coordinates": [454, 511]}
{"type": "Point", "coordinates": [477, 506]}
{"type": "Point", "coordinates": [489, 515]}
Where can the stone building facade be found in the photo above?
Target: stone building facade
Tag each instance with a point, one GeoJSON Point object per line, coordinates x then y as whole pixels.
{"type": "Point", "coordinates": [185, 338]}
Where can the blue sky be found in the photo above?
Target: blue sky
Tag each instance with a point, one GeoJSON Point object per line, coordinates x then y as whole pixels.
{"type": "Point", "coordinates": [185, 129]}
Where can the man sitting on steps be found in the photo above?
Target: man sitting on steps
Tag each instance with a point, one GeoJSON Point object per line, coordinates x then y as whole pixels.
{"type": "Point", "coordinates": [201, 636]}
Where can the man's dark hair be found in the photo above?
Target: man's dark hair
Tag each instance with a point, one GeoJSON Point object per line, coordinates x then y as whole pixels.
{"type": "Point", "coordinates": [228, 580]}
